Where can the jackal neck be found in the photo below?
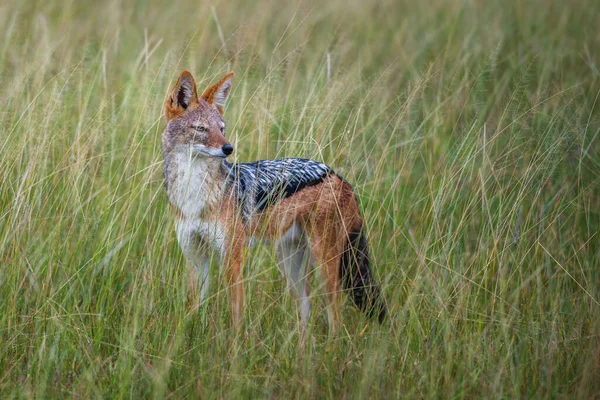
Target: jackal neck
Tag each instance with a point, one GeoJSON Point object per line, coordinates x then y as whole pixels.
{"type": "Point", "coordinates": [193, 183]}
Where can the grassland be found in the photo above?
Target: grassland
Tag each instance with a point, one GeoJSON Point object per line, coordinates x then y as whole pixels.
{"type": "Point", "coordinates": [469, 130]}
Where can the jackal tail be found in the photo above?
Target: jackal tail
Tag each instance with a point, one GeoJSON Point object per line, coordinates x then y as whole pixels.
{"type": "Point", "coordinates": [357, 277]}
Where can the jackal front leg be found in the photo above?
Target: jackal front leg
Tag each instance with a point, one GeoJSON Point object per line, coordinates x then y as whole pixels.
{"type": "Point", "coordinates": [197, 259]}
{"type": "Point", "coordinates": [233, 261]}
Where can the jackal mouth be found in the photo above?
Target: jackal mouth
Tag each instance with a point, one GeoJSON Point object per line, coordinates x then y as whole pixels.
{"type": "Point", "coordinates": [203, 151]}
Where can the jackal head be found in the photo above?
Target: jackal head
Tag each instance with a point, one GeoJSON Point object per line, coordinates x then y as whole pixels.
{"type": "Point", "coordinates": [195, 124]}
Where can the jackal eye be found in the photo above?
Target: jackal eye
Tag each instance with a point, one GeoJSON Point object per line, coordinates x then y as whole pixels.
{"type": "Point", "coordinates": [223, 130]}
{"type": "Point", "coordinates": [200, 128]}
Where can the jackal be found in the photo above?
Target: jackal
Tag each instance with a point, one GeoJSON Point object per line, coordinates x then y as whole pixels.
{"type": "Point", "coordinates": [309, 212]}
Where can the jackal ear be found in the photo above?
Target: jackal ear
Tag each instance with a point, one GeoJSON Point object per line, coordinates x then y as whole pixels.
{"type": "Point", "coordinates": [217, 94]}
{"type": "Point", "coordinates": [183, 95]}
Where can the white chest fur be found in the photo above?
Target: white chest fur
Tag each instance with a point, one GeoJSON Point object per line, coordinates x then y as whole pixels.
{"type": "Point", "coordinates": [192, 183]}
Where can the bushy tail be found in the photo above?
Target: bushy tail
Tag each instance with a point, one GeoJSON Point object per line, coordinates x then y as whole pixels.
{"type": "Point", "coordinates": [357, 277]}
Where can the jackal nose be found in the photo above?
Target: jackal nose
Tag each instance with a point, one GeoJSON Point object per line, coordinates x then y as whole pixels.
{"type": "Point", "coordinates": [227, 149]}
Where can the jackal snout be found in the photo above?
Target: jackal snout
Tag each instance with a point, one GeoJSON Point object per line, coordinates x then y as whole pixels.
{"type": "Point", "coordinates": [227, 149]}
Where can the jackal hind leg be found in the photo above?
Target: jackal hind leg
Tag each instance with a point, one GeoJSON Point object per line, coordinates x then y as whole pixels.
{"type": "Point", "coordinates": [294, 262]}
{"type": "Point", "coordinates": [326, 252]}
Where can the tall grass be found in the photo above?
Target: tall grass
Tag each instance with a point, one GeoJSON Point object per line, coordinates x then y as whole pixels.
{"type": "Point", "coordinates": [469, 130]}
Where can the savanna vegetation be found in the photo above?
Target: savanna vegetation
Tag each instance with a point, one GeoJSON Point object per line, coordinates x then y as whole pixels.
{"type": "Point", "coordinates": [469, 130]}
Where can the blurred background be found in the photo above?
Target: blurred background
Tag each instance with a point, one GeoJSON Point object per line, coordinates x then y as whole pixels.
{"type": "Point", "coordinates": [469, 130]}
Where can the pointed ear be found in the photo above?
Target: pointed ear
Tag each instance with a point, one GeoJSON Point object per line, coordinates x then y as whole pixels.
{"type": "Point", "coordinates": [183, 95]}
{"type": "Point", "coordinates": [217, 94]}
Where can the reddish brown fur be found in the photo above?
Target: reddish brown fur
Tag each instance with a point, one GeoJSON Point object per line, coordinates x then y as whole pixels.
{"type": "Point", "coordinates": [172, 108]}
{"type": "Point", "coordinates": [327, 212]}
{"type": "Point", "coordinates": [209, 94]}
{"type": "Point", "coordinates": [234, 252]}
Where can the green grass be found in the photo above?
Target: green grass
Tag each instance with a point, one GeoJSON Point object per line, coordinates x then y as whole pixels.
{"type": "Point", "coordinates": [470, 131]}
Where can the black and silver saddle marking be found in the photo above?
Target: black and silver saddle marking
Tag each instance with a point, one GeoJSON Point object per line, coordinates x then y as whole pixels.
{"type": "Point", "coordinates": [260, 184]}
